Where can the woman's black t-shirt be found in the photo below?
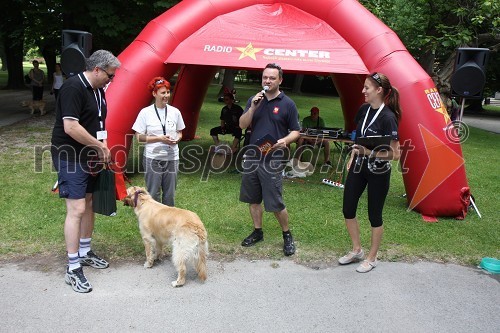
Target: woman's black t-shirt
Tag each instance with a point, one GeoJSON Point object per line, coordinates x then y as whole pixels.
{"type": "Point", "coordinates": [386, 122]}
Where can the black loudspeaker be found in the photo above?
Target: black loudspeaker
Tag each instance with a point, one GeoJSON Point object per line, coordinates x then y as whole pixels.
{"type": "Point", "coordinates": [469, 75]}
{"type": "Point", "coordinates": [76, 47]}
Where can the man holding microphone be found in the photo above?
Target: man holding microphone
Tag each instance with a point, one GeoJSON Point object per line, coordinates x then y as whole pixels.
{"type": "Point", "coordinates": [273, 118]}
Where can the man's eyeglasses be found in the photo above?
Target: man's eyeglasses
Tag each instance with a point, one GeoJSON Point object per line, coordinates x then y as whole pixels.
{"type": "Point", "coordinates": [110, 76]}
{"type": "Point", "coordinates": [377, 78]}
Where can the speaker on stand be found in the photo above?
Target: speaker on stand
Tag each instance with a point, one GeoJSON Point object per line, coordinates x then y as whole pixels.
{"type": "Point", "coordinates": [469, 74]}
{"type": "Point", "coordinates": [468, 80]}
{"type": "Point", "coordinates": [76, 47]}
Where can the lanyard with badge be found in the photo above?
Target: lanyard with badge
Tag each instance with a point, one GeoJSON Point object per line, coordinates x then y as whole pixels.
{"type": "Point", "coordinates": [363, 129]}
{"type": "Point", "coordinates": [102, 134]}
{"type": "Point", "coordinates": [163, 125]}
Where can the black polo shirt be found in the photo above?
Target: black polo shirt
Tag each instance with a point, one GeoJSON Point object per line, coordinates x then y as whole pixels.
{"type": "Point", "coordinates": [276, 117]}
{"type": "Point", "coordinates": [77, 100]}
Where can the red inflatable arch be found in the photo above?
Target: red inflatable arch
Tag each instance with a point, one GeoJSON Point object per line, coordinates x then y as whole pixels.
{"type": "Point", "coordinates": [336, 37]}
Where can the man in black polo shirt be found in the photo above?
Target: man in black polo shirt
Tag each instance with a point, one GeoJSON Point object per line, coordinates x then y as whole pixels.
{"type": "Point", "coordinates": [79, 137]}
{"type": "Point", "coordinates": [273, 118]}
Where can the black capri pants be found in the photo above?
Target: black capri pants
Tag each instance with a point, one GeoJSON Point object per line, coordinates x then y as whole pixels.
{"type": "Point", "coordinates": [377, 180]}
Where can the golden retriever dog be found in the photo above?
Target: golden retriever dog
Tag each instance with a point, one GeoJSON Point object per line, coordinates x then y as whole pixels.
{"type": "Point", "coordinates": [40, 105]}
{"type": "Point", "coordinates": [160, 224]}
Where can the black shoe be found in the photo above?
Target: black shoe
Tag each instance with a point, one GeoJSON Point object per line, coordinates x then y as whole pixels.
{"type": "Point", "coordinates": [255, 236]}
{"type": "Point", "coordinates": [288, 245]}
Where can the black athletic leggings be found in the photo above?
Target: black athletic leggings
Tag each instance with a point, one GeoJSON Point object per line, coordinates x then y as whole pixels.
{"type": "Point", "coordinates": [358, 178]}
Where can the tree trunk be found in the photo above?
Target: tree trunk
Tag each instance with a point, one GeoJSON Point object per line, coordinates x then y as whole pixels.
{"type": "Point", "coordinates": [227, 82]}
{"type": "Point", "coordinates": [49, 54]}
{"type": "Point", "coordinates": [297, 83]}
{"type": "Point", "coordinates": [427, 62]}
{"type": "Point", "coordinates": [15, 46]}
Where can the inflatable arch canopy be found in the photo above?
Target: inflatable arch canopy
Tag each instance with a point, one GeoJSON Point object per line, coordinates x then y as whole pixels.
{"type": "Point", "coordinates": [339, 38]}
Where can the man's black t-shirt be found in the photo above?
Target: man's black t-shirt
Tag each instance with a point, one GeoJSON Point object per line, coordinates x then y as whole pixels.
{"type": "Point", "coordinates": [231, 116]}
{"type": "Point", "coordinates": [79, 101]}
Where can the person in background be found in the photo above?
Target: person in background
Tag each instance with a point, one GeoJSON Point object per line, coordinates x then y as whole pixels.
{"type": "Point", "coordinates": [57, 81]}
{"type": "Point", "coordinates": [37, 77]}
{"type": "Point", "coordinates": [160, 127]}
{"type": "Point", "coordinates": [273, 118]}
{"type": "Point", "coordinates": [371, 168]}
{"type": "Point", "coordinates": [79, 141]}
{"type": "Point", "coordinates": [314, 121]}
{"type": "Point", "coordinates": [229, 122]}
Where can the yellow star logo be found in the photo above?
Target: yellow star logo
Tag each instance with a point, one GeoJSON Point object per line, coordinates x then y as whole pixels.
{"type": "Point", "coordinates": [248, 51]}
{"type": "Point", "coordinates": [437, 103]}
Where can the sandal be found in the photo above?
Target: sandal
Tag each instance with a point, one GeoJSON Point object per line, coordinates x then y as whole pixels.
{"type": "Point", "coordinates": [351, 257]}
{"type": "Point", "coordinates": [366, 266]}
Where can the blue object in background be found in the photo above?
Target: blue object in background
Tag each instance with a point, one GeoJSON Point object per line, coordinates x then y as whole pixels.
{"type": "Point", "coordinates": [491, 265]}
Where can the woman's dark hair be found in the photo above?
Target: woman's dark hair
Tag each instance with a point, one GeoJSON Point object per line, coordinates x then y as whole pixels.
{"type": "Point", "coordinates": [391, 94]}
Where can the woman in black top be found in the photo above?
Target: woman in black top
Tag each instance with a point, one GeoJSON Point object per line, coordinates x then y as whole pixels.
{"type": "Point", "coordinates": [369, 167]}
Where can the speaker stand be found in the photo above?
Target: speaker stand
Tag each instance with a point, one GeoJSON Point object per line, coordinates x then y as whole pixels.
{"type": "Point", "coordinates": [461, 110]}
{"type": "Point", "coordinates": [475, 207]}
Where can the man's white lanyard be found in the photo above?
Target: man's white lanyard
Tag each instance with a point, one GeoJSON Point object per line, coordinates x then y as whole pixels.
{"type": "Point", "coordinates": [99, 108]}
{"type": "Point", "coordinates": [363, 129]}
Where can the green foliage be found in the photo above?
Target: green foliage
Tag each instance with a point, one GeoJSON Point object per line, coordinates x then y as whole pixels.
{"type": "Point", "coordinates": [440, 25]}
{"type": "Point", "coordinates": [432, 31]}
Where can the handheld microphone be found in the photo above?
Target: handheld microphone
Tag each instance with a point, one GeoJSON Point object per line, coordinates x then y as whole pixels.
{"type": "Point", "coordinates": [264, 89]}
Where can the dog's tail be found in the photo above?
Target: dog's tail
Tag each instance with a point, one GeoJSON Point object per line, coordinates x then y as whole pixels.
{"type": "Point", "coordinates": [201, 259]}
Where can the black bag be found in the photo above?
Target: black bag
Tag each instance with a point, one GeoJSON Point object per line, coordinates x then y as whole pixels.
{"type": "Point", "coordinates": [104, 195]}
{"type": "Point", "coordinates": [27, 79]}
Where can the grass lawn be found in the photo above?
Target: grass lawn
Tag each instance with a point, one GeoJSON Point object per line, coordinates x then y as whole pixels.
{"type": "Point", "coordinates": [31, 222]}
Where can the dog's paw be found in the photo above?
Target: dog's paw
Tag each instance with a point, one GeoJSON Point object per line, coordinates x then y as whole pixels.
{"type": "Point", "coordinates": [148, 264]}
{"type": "Point", "coordinates": [176, 285]}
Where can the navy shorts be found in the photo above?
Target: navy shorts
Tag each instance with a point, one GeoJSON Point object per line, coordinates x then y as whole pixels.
{"type": "Point", "coordinates": [75, 179]}
{"type": "Point", "coordinates": [263, 181]}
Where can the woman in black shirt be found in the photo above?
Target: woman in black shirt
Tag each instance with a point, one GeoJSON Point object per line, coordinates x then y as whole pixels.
{"type": "Point", "coordinates": [369, 167]}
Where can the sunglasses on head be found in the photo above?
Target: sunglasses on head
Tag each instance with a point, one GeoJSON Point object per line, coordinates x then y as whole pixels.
{"type": "Point", "coordinates": [158, 82]}
{"type": "Point", "coordinates": [377, 78]}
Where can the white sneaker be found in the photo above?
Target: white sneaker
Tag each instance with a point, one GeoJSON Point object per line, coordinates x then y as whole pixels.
{"type": "Point", "coordinates": [351, 257]}
{"type": "Point", "coordinates": [366, 266]}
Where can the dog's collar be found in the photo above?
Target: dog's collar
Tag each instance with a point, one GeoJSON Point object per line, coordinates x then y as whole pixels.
{"type": "Point", "coordinates": [136, 196]}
